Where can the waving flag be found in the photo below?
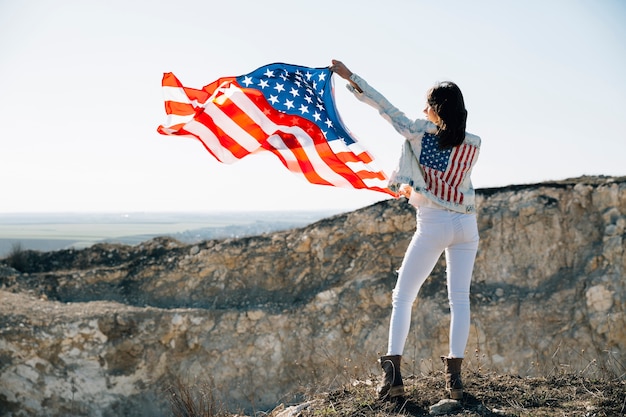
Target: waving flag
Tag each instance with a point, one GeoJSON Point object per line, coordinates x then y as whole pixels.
{"type": "Point", "coordinates": [284, 109]}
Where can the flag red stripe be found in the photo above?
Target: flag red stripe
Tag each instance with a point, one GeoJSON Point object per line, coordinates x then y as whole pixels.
{"type": "Point", "coordinates": [363, 174]}
{"type": "Point", "coordinates": [179, 109]}
{"type": "Point", "coordinates": [352, 157]}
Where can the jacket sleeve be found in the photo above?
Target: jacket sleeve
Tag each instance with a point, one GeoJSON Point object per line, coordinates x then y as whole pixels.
{"type": "Point", "coordinates": [403, 125]}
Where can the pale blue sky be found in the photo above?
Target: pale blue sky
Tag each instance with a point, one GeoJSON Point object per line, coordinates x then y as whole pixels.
{"type": "Point", "coordinates": [80, 97]}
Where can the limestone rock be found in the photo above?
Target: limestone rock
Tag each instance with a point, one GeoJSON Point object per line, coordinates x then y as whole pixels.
{"type": "Point", "coordinates": [444, 407]}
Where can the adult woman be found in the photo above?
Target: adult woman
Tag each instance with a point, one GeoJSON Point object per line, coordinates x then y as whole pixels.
{"type": "Point", "coordinates": [434, 174]}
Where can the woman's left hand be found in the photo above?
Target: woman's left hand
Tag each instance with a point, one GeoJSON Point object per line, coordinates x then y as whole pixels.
{"type": "Point", "coordinates": [340, 69]}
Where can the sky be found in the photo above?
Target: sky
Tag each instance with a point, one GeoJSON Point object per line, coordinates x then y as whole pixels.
{"type": "Point", "coordinates": [80, 93]}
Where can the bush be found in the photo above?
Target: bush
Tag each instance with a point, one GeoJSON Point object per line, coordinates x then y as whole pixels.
{"type": "Point", "coordinates": [17, 258]}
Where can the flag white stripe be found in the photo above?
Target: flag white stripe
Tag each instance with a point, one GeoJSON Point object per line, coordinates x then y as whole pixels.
{"type": "Point", "coordinates": [175, 119]}
{"type": "Point", "coordinates": [357, 166]}
{"type": "Point", "coordinates": [178, 95]}
{"type": "Point", "coordinates": [211, 141]}
{"type": "Point", "coordinates": [375, 182]}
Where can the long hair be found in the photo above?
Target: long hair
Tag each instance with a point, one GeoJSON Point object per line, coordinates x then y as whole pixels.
{"type": "Point", "coordinates": [447, 101]}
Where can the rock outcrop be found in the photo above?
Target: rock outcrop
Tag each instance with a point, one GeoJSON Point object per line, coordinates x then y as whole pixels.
{"type": "Point", "coordinates": [105, 331]}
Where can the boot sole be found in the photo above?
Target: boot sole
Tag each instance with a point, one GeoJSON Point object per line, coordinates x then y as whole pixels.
{"type": "Point", "coordinates": [393, 392]}
{"type": "Point", "coordinates": [397, 391]}
{"type": "Point", "coordinates": [456, 394]}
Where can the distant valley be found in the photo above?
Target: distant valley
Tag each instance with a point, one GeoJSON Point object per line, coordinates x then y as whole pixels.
{"type": "Point", "coordinates": [55, 231]}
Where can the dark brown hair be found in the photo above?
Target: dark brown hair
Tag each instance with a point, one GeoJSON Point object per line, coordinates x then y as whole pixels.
{"type": "Point", "coordinates": [447, 101]}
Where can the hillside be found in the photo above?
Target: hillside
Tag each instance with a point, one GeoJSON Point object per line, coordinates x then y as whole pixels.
{"type": "Point", "coordinates": [280, 318]}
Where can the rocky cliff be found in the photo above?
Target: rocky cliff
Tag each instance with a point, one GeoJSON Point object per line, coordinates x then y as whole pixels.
{"type": "Point", "coordinates": [105, 331]}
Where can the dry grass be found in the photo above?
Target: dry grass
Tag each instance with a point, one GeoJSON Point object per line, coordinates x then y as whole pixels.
{"type": "Point", "coordinates": [195, 400]}
{"type": "Point", "coordinates": [595, 390]}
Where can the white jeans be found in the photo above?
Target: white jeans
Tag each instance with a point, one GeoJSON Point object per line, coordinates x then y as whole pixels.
{"type": "Point", "coordinates": [437, 230]}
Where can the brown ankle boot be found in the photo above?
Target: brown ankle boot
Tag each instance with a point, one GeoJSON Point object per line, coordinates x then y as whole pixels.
{"type": "Point", "coordinates": [454, 384]}
{"type": "Point", "coordinates": [391, 385]}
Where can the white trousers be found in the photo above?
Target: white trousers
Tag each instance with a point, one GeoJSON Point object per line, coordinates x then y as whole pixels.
{"type": "Point", "coordinates": [437, 231]}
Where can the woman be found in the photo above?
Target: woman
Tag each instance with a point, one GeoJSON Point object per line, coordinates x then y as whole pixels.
{"type": "Point", "coordinates": [434, 174]}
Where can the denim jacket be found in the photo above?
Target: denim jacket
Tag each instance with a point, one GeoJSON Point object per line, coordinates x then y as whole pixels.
{"type": "Point", "coordinates": [440, 175]}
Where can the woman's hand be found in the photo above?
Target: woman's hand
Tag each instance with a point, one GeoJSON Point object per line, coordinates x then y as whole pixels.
{"type": "Point", "coordinates": [405, 191]}
{"type": "Point", "coordinates": [341, 70]}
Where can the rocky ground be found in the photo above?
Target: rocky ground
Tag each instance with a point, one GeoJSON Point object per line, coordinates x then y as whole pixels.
{"type": "Point", "coordinates": [487, 394]}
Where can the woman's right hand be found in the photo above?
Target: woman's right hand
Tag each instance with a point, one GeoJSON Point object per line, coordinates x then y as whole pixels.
{"type": "Point", "coordinates": [405, 191]}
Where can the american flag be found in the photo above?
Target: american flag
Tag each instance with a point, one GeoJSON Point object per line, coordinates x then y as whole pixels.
{"type": "Point", "coordinates": [286, 109]}
{"type": "Point", "coordinates": [445, 169]}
